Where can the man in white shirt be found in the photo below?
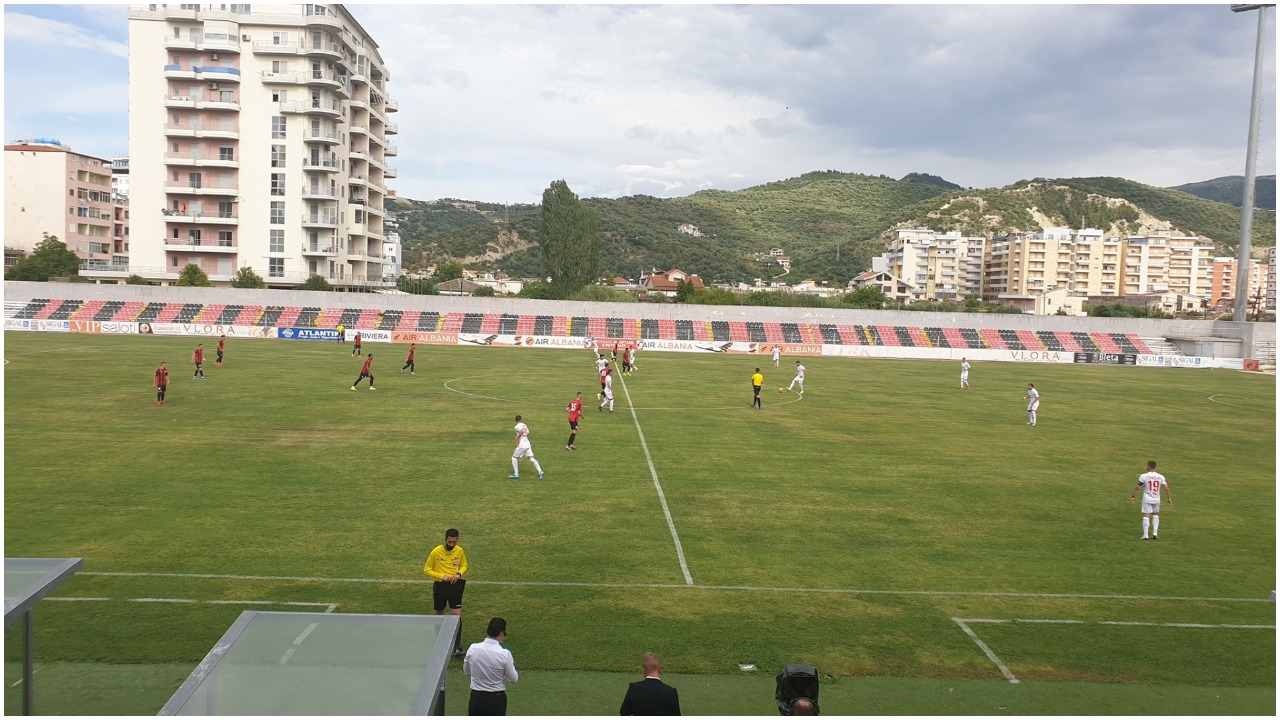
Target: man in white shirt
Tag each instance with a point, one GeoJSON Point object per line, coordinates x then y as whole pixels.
{"type": "Point", "coordinates": [523, 449]}
{"type": "Point", "coordinates": [490, 666]}
{"type": "Point", "coordinates": [776, 353]}
{"type": "Point", "coordinates": [601, 366]}
{"type": "Point", "coordinates": [799, 378]}
{"type": "Point", "coordinates": [1151, 482]}
{"type": "Point", "coordinates": [1033, 403]}
{"type": "Point", "coordinates": [606, 395]}
{"type": "Point", "coordinates": [964, 374]}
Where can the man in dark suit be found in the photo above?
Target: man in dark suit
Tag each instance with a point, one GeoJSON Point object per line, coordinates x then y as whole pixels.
{"type": "Point", "coordinates": [650, 696]}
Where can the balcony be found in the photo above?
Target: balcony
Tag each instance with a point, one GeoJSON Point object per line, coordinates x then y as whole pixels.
{"type": "Point", "coordinates": [213, 218]}
{"type": "Point", "coordinates": [320, 249]}
{"type": "Point", "coordinates": [201, 188]}
{"type": "Point", "coordinates": [328, 137]}
{"type": "Point", "coordinates": [358, 180]}
{"type": "Point", "coordinates": [198, 130]}
{"type": "Point", "coordinates": [360, 154]}
{"type": "Point", "coordinates": [175, 72]}
{"type": "Point", "coordinates": [359, 128]}
{"type": "Point", "coordinates": [393, 106]}
{"type": "Point", "coordinates": [322, 20]}
{"type": "Point", "coordinates": [392, 128]}
{"type": "Point", "coordinates": [320, 165]}
{"type": "Point", "coordinates": [319, 193]}
{"type": "Point", "coordinates": [320, 78]}
{"type": "Point", "coordinates": [328, 50]}
{"type": "Point", "coordinates": [391, 172]}
{"type": "Point", "coordinates": [283, 78]}
{"type": "Point", "coordinates": [187, 102]}
{"type": "Point", "coordinates": [199, 160]}
{"type": "Point", "coordinates": [320, 220]}
{"type": "Point", "coordinates": [199, 246]}
{"type": "Point", "coordinates": [271, 47]}
{"type": "Point", "coordinates": [217, 73]}
{"type": "Point", "coordinates": [331, 108]}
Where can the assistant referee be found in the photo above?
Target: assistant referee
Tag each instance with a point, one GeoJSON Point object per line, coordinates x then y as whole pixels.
{"type": "Point", "coordinates": [446, 565]}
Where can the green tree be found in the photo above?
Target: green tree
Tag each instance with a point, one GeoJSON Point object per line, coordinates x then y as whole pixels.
{"type": "Point", "coordinates": [247, 278]}
{"type": "Point", "coordinates": [483, 291]}
{"type": "Point", "coordinates": [684, 290]}
{"type": "Point", "coordinates": [869, 297]}
{"type": "Point", "coordinates": [447, 271]}
{"type": "Point", "coordinates": [193, 276]}
{"type": "Point", "coordinates": [569, 240]}
{"type": "Point", "coordinates": [136, 279]}
{"type": "Point", "coordinates": [51, 258]}
{"type": "Point", "coordinates": [415, 286]}
{"type": "Point", "coordinates": [537, 290]}
{"type": "Point", "coordinates": [316, 282]}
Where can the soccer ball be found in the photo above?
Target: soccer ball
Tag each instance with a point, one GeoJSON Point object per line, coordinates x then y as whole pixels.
{"type": "Point", "coordinates": [782, 389]}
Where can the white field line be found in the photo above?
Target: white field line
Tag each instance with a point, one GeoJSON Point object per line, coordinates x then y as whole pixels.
{"type": "Point", "coordinates": [298, 642]}
{"type": "Point", "coordinates": [1239, 407]}
{"type": "Point", "coordinates": [684, 567]}
{"type": "Point", "coordinates": [330, 607]}
{"type": "Point", "coordinates": [965, 622]}
{"type": "Point", "coordinates": [986, 650]}
{"type": "Point", "coordinates": [662, 586]}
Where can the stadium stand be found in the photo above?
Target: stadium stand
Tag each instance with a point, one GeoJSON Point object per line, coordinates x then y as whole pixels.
{"type": "Point", "coordinates": [30, 310]}
{"type": "Point", "coordinates": [508, 324]}
{"type": "Point", "coordinates": [787, 332]}
{"type": "Point", "coordinates": [684, 329]}
{"type": "Point", "coordinates": [543, 325]}
{"type": "Point", "coordinates": [649, 329]}
{"type": "Point", "coordinates": [88, 310]}
{"type": "Point", "coordinates": [719, 331]}
{"type": "Point", "coordinates": [390, 320]}
{"type": "Point", "coordinates": [471, 322]}
{"type": "Point", "coordinates": [307, 318]}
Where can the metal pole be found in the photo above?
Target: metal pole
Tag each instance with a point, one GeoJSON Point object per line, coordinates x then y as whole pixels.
{"type": "Point", "coordinates": [1250, 173]}
{"type": "Point", "coordinates": [28, 659]}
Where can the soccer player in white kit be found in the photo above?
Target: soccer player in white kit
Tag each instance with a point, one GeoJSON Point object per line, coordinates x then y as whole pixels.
{"type": "Point", "coordinates": [799, 378]}
{"type": "Point", "coordinates": [776, 353]}
{"type": "Point", "coordinates": [1033, 403]}
{"type": "Point", "coordinates": [601, 366]}
{"type": "Point", "coordinates": [523, 449]}
{"type": "Point", "coordinates": [1151, 482]}
{"type": "Point", "coordinates": [964, 374]}
{"type": "Point", "coordinates": [607, 395]}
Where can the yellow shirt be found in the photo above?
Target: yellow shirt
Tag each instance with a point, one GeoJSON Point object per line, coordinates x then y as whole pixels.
{"type": "Point", "coordinates": [441, 563]}
{"type": "Point", "coordinates": [757, 379]}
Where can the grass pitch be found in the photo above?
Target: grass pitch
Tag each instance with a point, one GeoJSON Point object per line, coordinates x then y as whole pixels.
{"type": "Point", "coordinates": [847, 529]}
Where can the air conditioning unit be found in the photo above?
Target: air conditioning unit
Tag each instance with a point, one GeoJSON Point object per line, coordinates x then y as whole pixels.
{"type": "Point", "coordinates": [245, 38]}
{"type": "Point", "coordinates": [213, 56]}
{"type": "Point", "coordinates": [213, 86]}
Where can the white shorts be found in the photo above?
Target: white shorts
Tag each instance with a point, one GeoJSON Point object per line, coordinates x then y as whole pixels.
{"type": "Point", "coordinates": [608, 394]}
{"type": "Point", "coordinates": [1032, 407]}
{"type": "Point", "coordinates": [964, 376]}
{"type": "Point", "coordinates": [798, 379]}
{"type": "Point", "coordinates": [523, 450]}
{"type": "Point", "coordinates": [1151, 507]}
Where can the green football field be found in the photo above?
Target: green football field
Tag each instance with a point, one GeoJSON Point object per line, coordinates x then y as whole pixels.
{"type": "Point", "coordinates": [920, 545]}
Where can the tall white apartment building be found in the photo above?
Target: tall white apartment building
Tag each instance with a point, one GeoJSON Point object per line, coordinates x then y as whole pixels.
{"type": "Point", "coordinates": [941, 266]}
{"type": "Point", "coordinates": [1023, 265]}
{"type": "Point", "coordinates": [1271, 277]}
{"type": "Point", "coordinates": [258, 137]}
{"type": "Point", "coordinates": [1163, 261]}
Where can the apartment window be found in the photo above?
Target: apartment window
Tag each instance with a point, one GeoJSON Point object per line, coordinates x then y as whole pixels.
{"type": "Point", "coordinates": [280, 38]}
{"type": "Point", "coordinates": [226, 153]}
{"type": "Point", "coordinates": [194, 236]}
{"type": "Point", "coordinates": [175, 261]}
{"type": "Point", "coordinates": [278, 124]}
{"type": "Point", "coordinates": [226, 96]}
{"type": "Point", "coordinates": [275, 267]}
{"type": "Point", "coordinates": [277, 212]}
{"type": "Point", "coordinates": [177, 31]}
{"type": "Point", "coordinates": [279, 96]}
{"type": "Point", "coordinates": [225, 210]}
{"type": "Point", "coordinates": [279, 66]}
{"type": "Point", "coordinates": [196, 179]}
{"type": "Point", "coordinates": [241, 9]}
{"type": "Point", "coordinates": [277, 183]}
{"type": "Point", "coordinates": [277, 241]}
{"type": "Point", "coordinates": [277, 156]}
{"type": "Point", "coordinates": [224, 238]}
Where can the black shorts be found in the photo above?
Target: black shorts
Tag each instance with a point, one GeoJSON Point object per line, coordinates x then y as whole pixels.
{"type": "Point", "coordinates": [448, 593]}
{"type": "Point", "coordinates": [573, 424]}
{"type": "Point", "coordinates": [756, 388]}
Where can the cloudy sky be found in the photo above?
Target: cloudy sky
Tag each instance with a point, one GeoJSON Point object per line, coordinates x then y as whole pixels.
{"type": "Point", "coordinates": [496, 101]}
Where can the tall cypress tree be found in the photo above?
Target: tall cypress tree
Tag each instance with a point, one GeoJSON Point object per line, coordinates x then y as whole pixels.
{"type": "Point", "coordinates": [568, 240]}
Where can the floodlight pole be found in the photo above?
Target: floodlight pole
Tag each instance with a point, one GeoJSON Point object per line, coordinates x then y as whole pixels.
{"type": "Point", "coordinates": [1240, 311]}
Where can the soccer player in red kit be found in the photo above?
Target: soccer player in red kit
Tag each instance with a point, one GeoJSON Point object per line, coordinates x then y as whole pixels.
{"type": "Point", "coordinates": [197, 358]}
{"type": "Point", "coordinates": [162, 382]}
{"type": "Point", "coordinates": [222, 341]}
{"type": "Point", "coordinates": [355, 349]}
{"type": "Point", "coordinates": [575, 414]}
{"type": "Point", "coordinates": [365, 372]}
{"type": "Point", "coordinates": [408, 362]}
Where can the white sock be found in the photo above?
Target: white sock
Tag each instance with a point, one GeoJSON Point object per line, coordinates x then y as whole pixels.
{"type": "Point", "coordinates": [1155, 524]}
{"type": "Point", "coordinates": [515, 466]}
{"type": "Point", "coordinates": [536, 466]}
{"type": "Point", "coordinates": [610, 404]}
{"type": "Point", "coordinates": [1146, 525]}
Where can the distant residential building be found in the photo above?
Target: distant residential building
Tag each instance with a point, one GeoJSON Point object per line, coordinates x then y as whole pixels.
{"type": "Point", "coordinates": [120, 176]}
{"type": "Point", "coordinates": [1271, 277]}
{"type": "Point", "coordinates": [1222, 283]}
{"type": "Point", "coordinates": [895, 289]}
{"type": "Point", "coordinates": [666, 282]}
{"type": "Point", "coordinates": [457, 286]}
{"type": "Point", "coordinates": [688, 229]}
{"type": "Point", "coordinates": [258, 137]}
{"type": "Point", "coordinates": [50, 188]}
{"type": "Point", "coordinates": [938, 266]}
{"type": "Point", "coordinates": [813, 287]}
{"type": "Point", "coordinates": [501, 284]}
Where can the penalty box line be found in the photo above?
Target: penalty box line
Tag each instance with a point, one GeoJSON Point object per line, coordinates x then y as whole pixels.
{"type": "Point", "coordinates": [662, 498]}
{"type": "Point", "coordinates": [964, 623]}
{"type": "Point", "coordinates": [672, 586]}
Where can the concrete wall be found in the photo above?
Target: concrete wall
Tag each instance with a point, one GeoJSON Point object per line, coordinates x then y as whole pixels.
{"type": "Point", "coordinates": [1247, 333]}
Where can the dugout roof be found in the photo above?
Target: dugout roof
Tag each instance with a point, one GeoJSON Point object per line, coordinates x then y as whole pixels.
{"type": "Point", "coordinates": [27, 581]}
{"type": "Point", "coordinates": [287, 663]}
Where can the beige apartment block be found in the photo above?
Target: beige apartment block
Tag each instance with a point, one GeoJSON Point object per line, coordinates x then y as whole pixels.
{"type": "Point", "coordinates": [1271, 277]}
{"type": "Point", "coordinates": [1222, 283]}
{"type": "Point", "coordinates": [49, 188]}
{"type": "Point", "coordinates": [258, 137]}
{"type": "Point", "coordinates": [1164, 261]}
{"type": "Point", "coordinates": [939, 266]}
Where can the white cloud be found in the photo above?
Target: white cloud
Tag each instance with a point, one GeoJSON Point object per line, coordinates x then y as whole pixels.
{"type": "Point", "coordinates": [28, 28]}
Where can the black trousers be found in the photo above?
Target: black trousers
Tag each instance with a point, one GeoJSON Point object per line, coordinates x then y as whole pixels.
{"type": "Point", "coordinates": [487, 703]}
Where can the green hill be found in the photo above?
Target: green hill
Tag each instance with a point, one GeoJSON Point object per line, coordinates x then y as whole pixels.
{"type": "Point", "coordinates": [1230, 190]}
{"type": "Point", "coordinates": [830, 223]}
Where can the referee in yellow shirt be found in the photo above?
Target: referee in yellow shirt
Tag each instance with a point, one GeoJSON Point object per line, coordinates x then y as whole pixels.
{"type": "Point", "coordinates": [446, 565]}
{"type": "Point", "coordinates": [756, 381]}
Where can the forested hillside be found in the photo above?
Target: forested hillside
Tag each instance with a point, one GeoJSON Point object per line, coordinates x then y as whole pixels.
{"type": "Point", "coordinates": [1230, 190]}
{"type": "Point", "coordinates": [830, 223]}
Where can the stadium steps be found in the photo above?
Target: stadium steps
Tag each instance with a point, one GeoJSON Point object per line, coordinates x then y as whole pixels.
{"type": "Point", "coordinates": [30, 309]}
{"type": "Point", "coordinates": [1029, 340]}
{"type": "Point", "coordinates": [49, 308]}
{"type": "Point", "coordinates": [64, 311]}
{"type": "Point", "coordinates": [88, 310]}
{"type": "Point", "coordinates": [1105, 343]}
{"type": "Point", "coordinates": [918, 337]}
{"type": "Point", "coordinates": [1160, 346]}
{"type": "Point", "coordinates": [209, 313]}
{"type": "Point", "coordinates": [229, 314]}
{"type": "Point", "coordinates": [936, 337]}
{"type": "Point", "coordinates": [992, 339]}
{"type": "Point", "coordinates": [1011, 339]}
